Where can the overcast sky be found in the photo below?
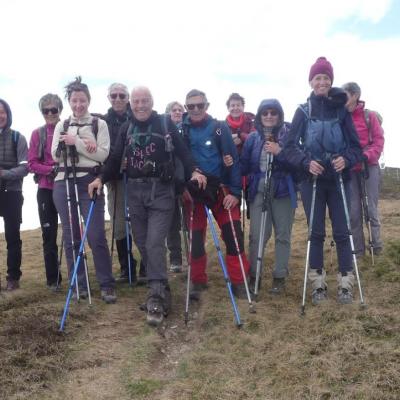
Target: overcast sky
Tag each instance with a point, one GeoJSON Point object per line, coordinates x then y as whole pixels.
{"type": "Point", "coordinates": [261, 49]}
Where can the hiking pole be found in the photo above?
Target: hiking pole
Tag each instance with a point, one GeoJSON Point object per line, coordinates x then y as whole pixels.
{"type": "Point", "coordinates": [244, 207]}
{"type": "Point", "coordinates": [187, 241]}
{"type": "Point", "coordinates": [224, 270]}
{"type": "Point", "coordinates": [346, 211]}
{"type": "Point", "coordinates": [264, 214]}
{"type": "Point", "coordinates": [365, 206]}
{"type": "Point", "coordinates": [113, 220]}
{"type": "Point", "coordinates": [59, 262]}
{"type": "Point", "coordinates": [332, 245]}
{"type": "Point", "coordinates": [73, 155]}
{"type": "Point", "coordinates": [63, 148]}
{"type": "Point", "coordinates": [76, 266]}
{"type": "Point", "coordinates": [127, 224]}
{"type": "Point", "coordinates": [307, 266]}
{"type": "Point", "coordinates": [252, 308]}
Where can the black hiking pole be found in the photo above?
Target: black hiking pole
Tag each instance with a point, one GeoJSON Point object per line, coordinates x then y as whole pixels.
{"type": "Point", "coordinates": [224, 270]}
{"type": "Point", "coordinates": [64, 150]}
{"type": "Point", "coordinates": [365, 207]}
{"type": "Point", "coordinates": [252, 308]}
{"type": "Point", "coordinates": [113, 220]}
{"type": "Point", "coordinates": [346, 211]}
{"type": "Point", "coordinates": [127, 225]}
{"type": "Point", "coordinates": [59, 261]}
{"type": "Point", "coordinates": [332, 245]}
{"type": "Point", "coordinates": [264, 213]}
{"type": "Point", "coordinates": [76, 266]}
{"type": "Point", "coordinates": [310, 226]}
{"type": "Point", "coordinates": [73, 155]}
{"type": "Point", "coordinates": [187, 241]}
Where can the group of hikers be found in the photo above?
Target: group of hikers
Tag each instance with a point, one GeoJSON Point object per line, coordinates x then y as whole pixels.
{"type": "Point", "coordinates": [169, 172]}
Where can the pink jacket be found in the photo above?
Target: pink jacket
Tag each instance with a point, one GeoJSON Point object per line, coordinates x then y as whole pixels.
{"type": "Point", "coordinates": [43, 168]}
{"type": "Point", "coordinates": [374, 149]}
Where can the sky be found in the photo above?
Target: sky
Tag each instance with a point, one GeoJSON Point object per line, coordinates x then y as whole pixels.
{"type": "Point", "coordinates": [258, 48]}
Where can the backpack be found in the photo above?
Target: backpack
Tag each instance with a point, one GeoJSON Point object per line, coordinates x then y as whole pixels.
{"type": "Point", "coordinates": [368, 122]}
{"type": "Point", "coordinates": [323, 139]}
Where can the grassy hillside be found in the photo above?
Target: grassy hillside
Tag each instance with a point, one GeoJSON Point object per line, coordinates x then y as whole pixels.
{"type": "Point", "coordinates": [108, 352]}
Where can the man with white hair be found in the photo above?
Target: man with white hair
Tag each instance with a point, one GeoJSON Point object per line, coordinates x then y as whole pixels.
{"type": "Point", "coordinates": [149, 143]}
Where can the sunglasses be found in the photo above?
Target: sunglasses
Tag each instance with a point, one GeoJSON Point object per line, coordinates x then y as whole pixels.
{"type": "Point", "coordinates": [200, 106]}
{"type": "Point", "coordinates": [53, 110]}
{"type": "Point", "coordinates": [122, 96]}
{"type": "Point", "coordinates": [272, 113]}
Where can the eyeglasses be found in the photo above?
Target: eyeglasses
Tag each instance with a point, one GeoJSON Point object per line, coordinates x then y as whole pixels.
{"type": "Point", "coordinates": [122, 96]}
{"type": "Point", "coordinates": [53, 110]}
{"type": "Point", "coordinates": [272, 113]}
{"type": "Point", "coordinates": [200, 106]}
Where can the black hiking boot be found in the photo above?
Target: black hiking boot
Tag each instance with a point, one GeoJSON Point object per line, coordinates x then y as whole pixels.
{"type": "Point", "coordinates": [196, 289]}
{"type": "Point", "coordinates": [278, 286]}
{"type": "Point", "coordinates": [158, 303]}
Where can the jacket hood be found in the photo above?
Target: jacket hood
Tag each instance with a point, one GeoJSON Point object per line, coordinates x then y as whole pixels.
{"type": "Point", "coordinates": [9, 114]}
{"type": "Point", "coordinates": [269, 104]}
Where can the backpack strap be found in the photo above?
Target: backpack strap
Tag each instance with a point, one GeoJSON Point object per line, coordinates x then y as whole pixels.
{"type": "Point", "coordinates": [42, 142]}
{"type": "Point", "coordinates": [15, 139]}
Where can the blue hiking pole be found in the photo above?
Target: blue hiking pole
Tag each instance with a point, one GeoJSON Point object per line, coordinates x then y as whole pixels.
{"type": "Point", "coordinates": [76, 266]}
{"type": "Point", "coordinates": [224, 270]}
{"type": "Point", "coordinates": [127, 227]}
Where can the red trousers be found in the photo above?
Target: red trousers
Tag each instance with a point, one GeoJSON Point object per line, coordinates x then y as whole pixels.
{"type": "Point", "coordinates": [199, 225]}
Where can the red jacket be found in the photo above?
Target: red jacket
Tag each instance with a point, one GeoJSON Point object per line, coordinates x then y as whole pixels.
{"type": "Point", "coordinates": [374, 149]}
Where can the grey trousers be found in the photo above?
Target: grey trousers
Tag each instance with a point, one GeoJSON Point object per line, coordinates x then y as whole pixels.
{"type": "Point", "coordinates": [96, 233]}
{"type": "Point", "coordinates": [115, 195]}
{"type": "Point", "coordinates": [280, 215]}
{"type": "Point", "coordinates": [356, 216]}
{"type": "Point", "coordinates": [174, 237]}
{"type": "Point", "coordinates": [151, 206]}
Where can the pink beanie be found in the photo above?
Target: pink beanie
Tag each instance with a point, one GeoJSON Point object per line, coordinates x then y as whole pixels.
{"type": "Point", "coordinates": [321, 66]}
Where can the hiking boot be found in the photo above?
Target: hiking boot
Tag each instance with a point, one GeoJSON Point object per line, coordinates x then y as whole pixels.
{"type": "Point", "coordinates": [12, 285]}
{"type": "Point", "coordinates": [155, 311]}
{"type": "Point", "coordinates": [124, 277]}
{"type": "Point", "coordinates": [278, 286]}
{"type": "Point", "coordinates": [239, 290]}
{"type": "Point", "coordinates": [176, 268]}
{"type": "Point", "coordinates": [54, 287]}
{"type": "Point", "coordinates": [344, 296]}
{"type": "Point", "coordinates": [345, 287]}
{"type": "Point", "coordinates": [108, 295]}
{"type": "Point", "coordinates": [196, 289]}
{"type": "Point", "coordinates": [83, 294]}
{"type": "Point", "coordinates": [319, 295]}
{"type": "Point", "coordinates": [158, 303]}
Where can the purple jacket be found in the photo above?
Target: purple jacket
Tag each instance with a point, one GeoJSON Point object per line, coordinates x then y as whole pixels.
{"type": "Point", "coordinates": [42, 168]}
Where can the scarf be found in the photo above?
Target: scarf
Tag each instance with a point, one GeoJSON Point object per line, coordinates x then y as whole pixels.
{"type": "Point", "coordinates": [235, 123]}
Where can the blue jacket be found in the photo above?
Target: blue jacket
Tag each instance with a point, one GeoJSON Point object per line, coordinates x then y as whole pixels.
{"type": "Point", "coordinates": [282, 173]}
{"type": "Point", "coordinates": [209, 142]}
